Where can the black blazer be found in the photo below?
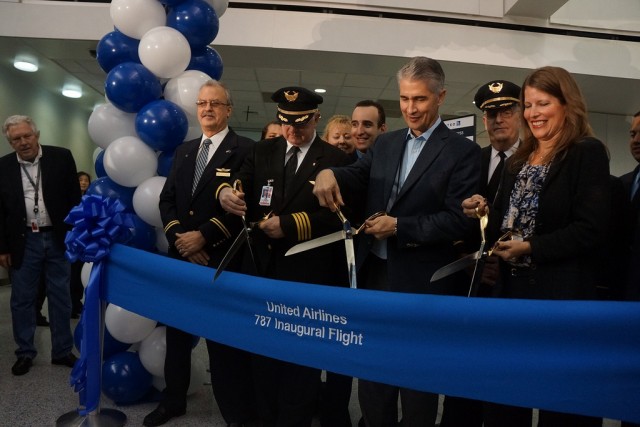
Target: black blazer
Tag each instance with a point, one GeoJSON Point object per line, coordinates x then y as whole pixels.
{"type": "Point", "coordinates": [60, 190]}
{"type": "Point", "coordinates": [181, 212]}
{"type": "Point", "coordinates": [428, 208]}
{"type": "Point", "coordinates": [301, 216]}
{"type": "Point", "coordinates": [571, 224]}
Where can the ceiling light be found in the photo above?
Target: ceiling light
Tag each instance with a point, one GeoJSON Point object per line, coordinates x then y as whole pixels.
{"type": "Point", "coordinates": [319, 90]}
{"type": "Point", "coordinates": [26, 63]}
{"type": "Point", "coordinates": [72, 91]}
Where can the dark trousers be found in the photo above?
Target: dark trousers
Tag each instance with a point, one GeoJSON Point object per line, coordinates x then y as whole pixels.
{"type": "Point", "coordinates": [496, 415]}
{"type": "Point", "coordinates": [76, 289]}
{"type": "Point", "coordinates": [230, 377]}
{"type": "Point", "coordinates": [379, 402]}
{"type": "Point", "coordinates": [287, 394]}
{"type": "Point", "coordinates": [461, 412]}
{"type": "Point", "coordinates": [334, 403]}
{"type": "Point", "coordinates": [379, 405]}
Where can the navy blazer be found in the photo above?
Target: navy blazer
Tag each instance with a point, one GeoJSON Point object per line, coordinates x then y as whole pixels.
{"type": "Point", "coordinates": [60, 190]}
{"type": "Point", "coordinates": [181, 211]}
{"type": "Point", "coordinates": [571, 224]}
{"type": "Point", "coordinates": [427, 206]}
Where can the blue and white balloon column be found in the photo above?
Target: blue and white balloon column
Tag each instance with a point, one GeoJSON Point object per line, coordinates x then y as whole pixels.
{"type": "Point", "coordinates": [156, 59]}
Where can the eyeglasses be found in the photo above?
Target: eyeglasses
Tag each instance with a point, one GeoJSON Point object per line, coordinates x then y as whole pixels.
{"type": "Point", "coordinates": [506, 113]}
{"type": "Point", "coordinates": [212, 104]}
{"type": "Point", "coordinates": [17, 139]}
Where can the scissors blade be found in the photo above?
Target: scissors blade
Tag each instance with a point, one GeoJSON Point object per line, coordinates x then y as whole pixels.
{"type": "Point", "coordinates": [456, 266]}
{"type": "Point", "coordinates": [315, 243]}
{"type": "Point", "coordinates": [351, 260]}
{"type": "Point", "coordinates": [243, 237]}
{"type": "Point", "coordinates": [477, 272]}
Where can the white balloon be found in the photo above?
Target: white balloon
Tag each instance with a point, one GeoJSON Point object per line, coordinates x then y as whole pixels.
{"type": "Point", "coordinates": [146, 199]}
{"type": "Point", "coordinates": [164, 51]}
{"type": "Point", "coordinates": [159, 383]}
{"type": "Point", "coordinates": [129, 161]}
{"type": "Point", "coordinates": [85, 273]}
{"type": "Point", "coordinates": [135, 17]}
{"type": "Point", "coordinates": [220, 6]}
{"type": "Point", "coordinates": [193, 132]}
{"type": "Point", "coordinates": [198, 375]}
{"type": "Point", "coordinates": [183, 90]}
{"type": "Point", "coordinates": [126, 326]}
{"type": "Point", "coordinates": [153, 350]}
{"type": "Point", "coordinates": [108, 123]}
{"type": "Point", "coordinates": [162, 244]}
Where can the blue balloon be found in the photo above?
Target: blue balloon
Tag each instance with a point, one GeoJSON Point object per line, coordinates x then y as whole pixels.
{"type": "Point", "coordinates": [165, 161]}
{"type": "Point", "coordinates": [144, 235]}
{"type": "Point", "coordinates": [130, 86]}
{"type": "Point", "coordinates": [124, 379]}
{"type": "Point", "coordinates": [196, 20]}
{"type": "Point", "coordinates": [208, 61]}
{"type": "Point", "coordinates": [99, 165]}
{"type": "Point", "coordinates": [110, 345]}
{"type": "Point", "coordinates": [162, 125]}
{"type": "Point", "coordinates": [115, 48]}
{"type": "Point", "coordinates": [106, 187]}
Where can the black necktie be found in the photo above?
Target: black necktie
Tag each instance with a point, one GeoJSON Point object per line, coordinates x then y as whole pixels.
{"type": "Point", "coordinates": [290, 168]}
{"type": "Point", "coordinates": [492, 187]}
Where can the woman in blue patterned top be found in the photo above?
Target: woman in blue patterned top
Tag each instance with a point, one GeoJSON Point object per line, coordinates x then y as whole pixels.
{"type": "Point", "coordinates": [554, 199]}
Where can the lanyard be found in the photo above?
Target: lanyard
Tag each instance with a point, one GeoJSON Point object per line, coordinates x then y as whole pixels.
{"type": "Point", "coordinates": [36, 185]}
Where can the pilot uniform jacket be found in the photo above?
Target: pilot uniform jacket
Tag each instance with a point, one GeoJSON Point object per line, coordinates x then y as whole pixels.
{"type": "Point", "coordinates": [427, 206]}
{"type": "Point", "coordinates": [181, 212]}
{"type": "Point", "coordinates": [301, 216]}
{"type": "Point", "coordinates": [60, 190]}
{"type": "Point", "coordinates": [570, 226]}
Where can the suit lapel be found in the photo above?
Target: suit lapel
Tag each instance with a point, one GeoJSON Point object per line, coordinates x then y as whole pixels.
{"type": "Point", "coordinates": [429, 153]}
{"type": "Point", "coordinates": [220, 157]}
{"type": "Point", "coordinates": [392, 164]}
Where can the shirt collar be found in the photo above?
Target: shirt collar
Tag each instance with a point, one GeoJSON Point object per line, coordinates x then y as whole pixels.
{"type": "Point", "coordinates": [304, 147]}
{"type": "Point", "coordinates": [426, 134]}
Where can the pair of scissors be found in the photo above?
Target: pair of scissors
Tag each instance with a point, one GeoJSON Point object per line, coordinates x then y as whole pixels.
{"type": "Point", "coordinates": [347, 233]}
{"type": "Point", "coordinates": [243, 237]}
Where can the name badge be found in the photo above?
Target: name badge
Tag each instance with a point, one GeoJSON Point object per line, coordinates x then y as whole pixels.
{"type": "Point", "coordinates": [34, 226]}
{"type": "Point", "coordinates": [266, 195]}
{"type": "Point", "coordinates": [223, 172]}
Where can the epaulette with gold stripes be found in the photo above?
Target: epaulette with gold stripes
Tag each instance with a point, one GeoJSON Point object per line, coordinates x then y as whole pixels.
{"type": "Point", "coordinates": [170, 224]}
{"type": "Point", "coordinates": [303, 225]}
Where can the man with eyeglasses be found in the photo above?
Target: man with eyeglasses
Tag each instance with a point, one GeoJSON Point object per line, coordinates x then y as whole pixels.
{"type": "Point", "coordinates": [38, 188]}
{"type": "Point", "coordinates": [277, 179]}
{"type": "Point", "coordinates": [500, 102]}
{"type": "Point", "coordinates": [198, 231]}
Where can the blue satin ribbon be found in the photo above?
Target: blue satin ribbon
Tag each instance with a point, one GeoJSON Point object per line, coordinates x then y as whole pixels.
{"type": "Point", "coordinates": [569, 356]}
{"type": "Point", "coordinates": [98, 222]}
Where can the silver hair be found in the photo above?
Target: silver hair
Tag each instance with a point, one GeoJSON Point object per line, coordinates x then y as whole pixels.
{"type": "Point", "coordinates": [425, 69]}
{"type": "Point", "coordinates": [16, 120]}
{"type": "Point", "coordinates": [216, 83]}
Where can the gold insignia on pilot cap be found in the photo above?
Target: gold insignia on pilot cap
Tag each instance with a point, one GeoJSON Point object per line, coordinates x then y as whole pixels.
{"type": "Point", "coordinates": [291, 95]}
{"type": "Point", "coordinates": [495, 87]}
{"type": "Point", "coordinates": [302, 119]}
{"type": "Point", "coordinates": [283, 119]}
